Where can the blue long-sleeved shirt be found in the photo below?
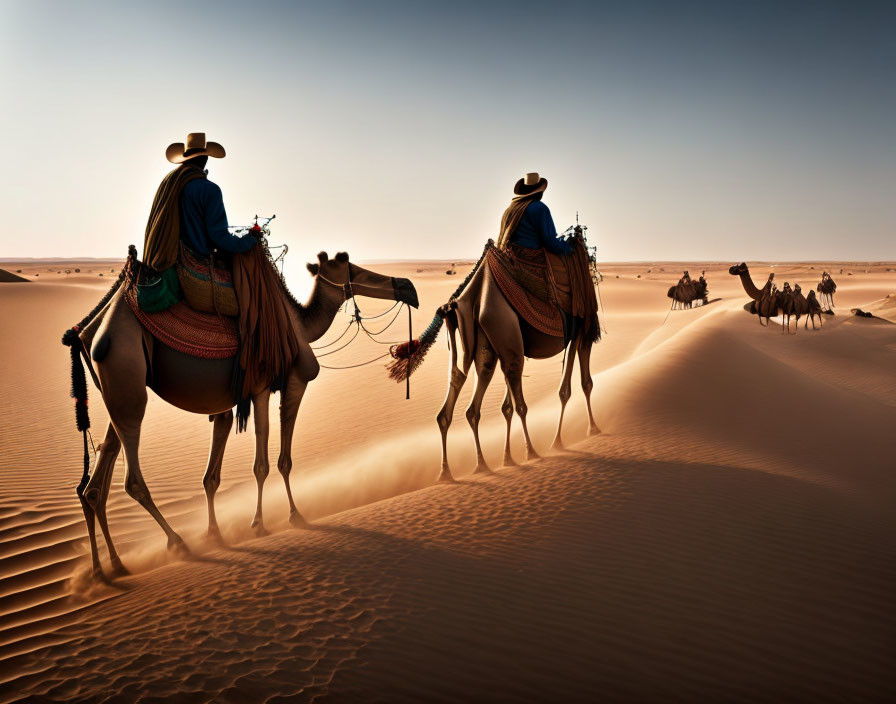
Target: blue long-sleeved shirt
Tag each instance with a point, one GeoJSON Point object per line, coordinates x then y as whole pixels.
{"type": "Point", "coordinates": [203, 221]}
{"type": "Point", "coordinates": [536, 229]}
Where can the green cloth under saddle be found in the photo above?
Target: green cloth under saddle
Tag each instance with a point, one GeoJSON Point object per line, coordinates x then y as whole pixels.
{"type": "Point", "coordinates": [158, 293]}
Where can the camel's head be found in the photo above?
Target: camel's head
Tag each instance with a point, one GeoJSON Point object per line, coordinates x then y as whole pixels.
{"type": "Point", "coordinates": [357, 281]}
{"type": "Point", "coordinates": [739, 269]}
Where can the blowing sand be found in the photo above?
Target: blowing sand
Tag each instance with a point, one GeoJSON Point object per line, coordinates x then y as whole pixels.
{"type": "Point", "coordinates": [728, 537]}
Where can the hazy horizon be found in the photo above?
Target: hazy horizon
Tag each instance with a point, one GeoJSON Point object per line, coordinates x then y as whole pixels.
{"type": "Point", "coordinates": [395, 130]}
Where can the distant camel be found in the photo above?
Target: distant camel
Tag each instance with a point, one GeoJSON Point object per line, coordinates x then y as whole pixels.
{"type": "Point", "coordinates": [765, 300]}
{"type": "Point", "coordinates": [686, 292]}
{"type": "Point", "coordinates": [826, 287]}
{"type": "Point", "coordinates": [813, 309]}
{"type": "Point", "coordinates": [114, 337]}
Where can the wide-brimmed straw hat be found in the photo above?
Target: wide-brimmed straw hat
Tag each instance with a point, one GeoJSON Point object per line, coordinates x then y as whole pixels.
{"type": "Point", "coordinates": [196, 145]}
{"type": "Point", "coordinates": [532, 183]}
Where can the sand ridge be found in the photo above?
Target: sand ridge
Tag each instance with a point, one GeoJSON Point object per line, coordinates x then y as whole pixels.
{"type": "Point", "coordinates": [728, 536]}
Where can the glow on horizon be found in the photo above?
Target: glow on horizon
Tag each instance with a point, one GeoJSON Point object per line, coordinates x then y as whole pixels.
{"type": "Point", "coordinates": [679, 131]}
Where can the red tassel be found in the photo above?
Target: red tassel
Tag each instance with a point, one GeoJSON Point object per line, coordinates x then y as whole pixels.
{"type": "Point", "coordinates": [405, 350]}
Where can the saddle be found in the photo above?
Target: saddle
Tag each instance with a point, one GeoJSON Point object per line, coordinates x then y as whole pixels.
{"type": "Point", "coordinates": [207, 284]}
{"type": "Point", "coordinates": [204, 335]}
{"type": "Point", "coordinates": [554, 294]}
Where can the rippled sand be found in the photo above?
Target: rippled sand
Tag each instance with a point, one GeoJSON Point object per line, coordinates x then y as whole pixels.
{"type": "Point", "coordinates": [729, 536]}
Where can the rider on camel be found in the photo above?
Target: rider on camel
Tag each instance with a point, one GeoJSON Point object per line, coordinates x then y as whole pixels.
{"type": "Point", "coordinates": [528, 222]}
{"type": "Point", "coordinates": [529, 235]}
{"type": "Point", "coordinates": [203, 220]}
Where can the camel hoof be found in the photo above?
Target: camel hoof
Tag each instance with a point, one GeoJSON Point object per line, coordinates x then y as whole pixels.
{"type": "Point", "coordinates": [509, 461]}
{"type": "Point", "coordinates": [259, 529]}
{"type": "Point", "coordinates": [177, 545]}
{"type": "Point", "coordinates": [482, 468]}
{"type": "Point", "coordinates": [557, 446]}
{"type": "Point", "coordinates": [296, 520]}
{"type": "Point", "coordinates": [594, 430]}
{"type": "Point", "coordinates": [532, 455]}
{"type": "Point", "coordinates": [119, 570]}
{"type": "Point", "coordinates": [445, 477]}
{"type": "Point", "coordinates": [214, 536]}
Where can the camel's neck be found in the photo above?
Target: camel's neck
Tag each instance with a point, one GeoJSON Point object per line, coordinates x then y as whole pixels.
{"type": "Point", "coordinates": [318, 313]}
{"type": "Point", "coordinates": [749, 286]}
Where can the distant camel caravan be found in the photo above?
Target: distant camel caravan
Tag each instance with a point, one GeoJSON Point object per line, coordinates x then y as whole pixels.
{"type": "Point", "coordinates": [687, 293]}
{"type": "Point", "coordinates": [123, 352]}
{"type": "Point", "coordinates": [769, 301]}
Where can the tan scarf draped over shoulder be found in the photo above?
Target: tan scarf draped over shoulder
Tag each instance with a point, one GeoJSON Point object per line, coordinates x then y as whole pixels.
{"type": "Point", "coordinates": [161, 245]}
{"type": "Point", "coordinates": [510, 220]}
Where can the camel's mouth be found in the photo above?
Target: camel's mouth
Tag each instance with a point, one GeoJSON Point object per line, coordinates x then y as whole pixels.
{"type": "Point", "coordinates": [405, 292]}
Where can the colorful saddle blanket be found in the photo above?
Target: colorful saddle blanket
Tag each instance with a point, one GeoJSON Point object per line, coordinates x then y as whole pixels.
{"type": "Point", "coordinates": [525, 278]}
{"type": "Point", "coordinates": [186, 330]}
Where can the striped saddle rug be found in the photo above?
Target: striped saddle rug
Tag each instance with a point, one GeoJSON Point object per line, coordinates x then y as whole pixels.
{"type": "Point", "coordinates": [181, 328]}
{"type": "Point", "coordinates": [526, 280]}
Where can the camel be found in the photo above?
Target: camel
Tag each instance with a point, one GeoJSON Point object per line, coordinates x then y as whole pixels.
{"type": "Point", "coordinates": [687, 292]}
{"type": "Point", "coordinates": [813, 308]}
{"type": "Point", "coordinates": [767, 301]}
{"type": "Point", "coordinates": [827, 288]}
{"type": "Point", "coordinates": [115, 341]}
{"type": "Point", "coordinates": [491, 331]}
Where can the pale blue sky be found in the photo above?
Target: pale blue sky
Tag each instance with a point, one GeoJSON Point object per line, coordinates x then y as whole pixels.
{"type": "Point", "coordinates": [679, 130]}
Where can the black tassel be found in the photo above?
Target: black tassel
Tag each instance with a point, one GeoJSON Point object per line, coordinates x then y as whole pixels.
{"type": "Point", "coordinates": [243, 410]}
{"type": "Point", "coordinates": [79, 379]}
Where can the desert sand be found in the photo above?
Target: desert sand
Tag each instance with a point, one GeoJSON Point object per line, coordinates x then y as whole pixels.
{"type": "Point", "coordinates": [730, 535]}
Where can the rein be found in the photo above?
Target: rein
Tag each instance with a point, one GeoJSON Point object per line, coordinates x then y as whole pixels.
{"type": "Point", "coordinates": [349, 290]}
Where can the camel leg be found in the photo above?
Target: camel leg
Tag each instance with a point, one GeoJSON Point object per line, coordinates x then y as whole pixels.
{"type": "Point", "coordinates": [485, 362]}
{"type": "Point", "coordinates": [223, 422]}
{"type": "Point", "coordinates": [123, 375]}
{"type": "Point", "coordinates": [499, 321]}
{"type": "Point", "coordinates": [565, 388]}
{"type": "Point", "coordinates": [111, 448]}
{"type": "Point", "coordinates": [260, 403]}
{"type": "Point", "coordinates": [587, 383]}
{"type": "Point", "coordinates": [290, 399]}
{"type": "Point", "coordinates": [455, 384]}
{"type": "Point", "coordinates": [93, 501]}
{"type": "Point", "coordinates": [507, 412]}
{"type": "Point", "coordinates": [513, 372]}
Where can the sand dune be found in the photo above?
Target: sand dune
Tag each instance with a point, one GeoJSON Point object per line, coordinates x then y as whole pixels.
{"type": "Point", "coordinates": [7, 277]}
{"type": "Point", "coordinates": [728, 537]}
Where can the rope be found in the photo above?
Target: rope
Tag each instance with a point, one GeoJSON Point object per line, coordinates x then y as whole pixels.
{"type": "Point", "coordinates": [380, 315]}
{"type": "Point", "coordinates": [362, 364]}
{"type": "Point", "coordinates": [669, 313]}
{"type": "Point", "coordinates": [329, 344]}
{"type": "Point", "coordinates": [338, 349]}
{"type": "Point", "coordinates": [372, 335]}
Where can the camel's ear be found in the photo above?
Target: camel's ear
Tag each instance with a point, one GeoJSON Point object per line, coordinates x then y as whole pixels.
{"type": "Point", "coordinates": [313, 268]}
{"type": "Point", "coordinates": [342, 257]}
{"type": "Point", "coordinates": [322, 257]}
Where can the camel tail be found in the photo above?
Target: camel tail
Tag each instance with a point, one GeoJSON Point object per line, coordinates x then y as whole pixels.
{"type": "Point", "coordinates": [409, 355]}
